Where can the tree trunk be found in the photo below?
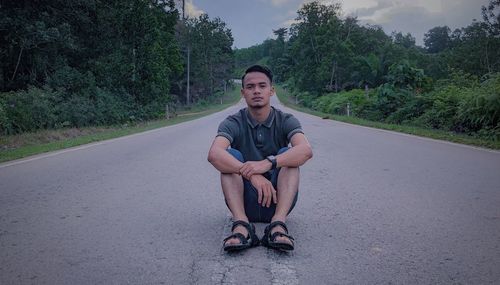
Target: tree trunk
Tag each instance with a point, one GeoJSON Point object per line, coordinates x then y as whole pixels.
{"type": "Point", "coordinates": [17, 64]}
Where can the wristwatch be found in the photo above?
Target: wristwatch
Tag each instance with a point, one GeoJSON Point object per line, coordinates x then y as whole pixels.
{"type": "Point", "coordinates": [272, 159]}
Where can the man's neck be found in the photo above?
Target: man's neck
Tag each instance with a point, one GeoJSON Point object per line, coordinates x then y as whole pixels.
{"type": "Point", "coordinates": [260, 114]}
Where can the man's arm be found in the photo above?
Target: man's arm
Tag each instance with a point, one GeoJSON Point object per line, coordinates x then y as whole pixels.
{"type": "Point", "coordinates": [298, 154]}
{"type": "Point", "coordinates": [226, 163]}
{"type": "Point", "coordinates": [221, 159]}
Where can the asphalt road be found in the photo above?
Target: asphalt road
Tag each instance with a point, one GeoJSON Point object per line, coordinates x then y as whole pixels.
{"type": "Point", "coordinates": [375, 207]}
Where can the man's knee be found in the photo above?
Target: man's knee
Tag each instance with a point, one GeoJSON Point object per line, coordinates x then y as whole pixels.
{"type": "Point", "coordinates": [236, 154]}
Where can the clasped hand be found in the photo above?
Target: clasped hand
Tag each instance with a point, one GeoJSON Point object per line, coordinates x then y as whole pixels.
{"type": "Point", "coordinates": [252, 171]}
{"type": "Point", "coordinates": [251, 168]}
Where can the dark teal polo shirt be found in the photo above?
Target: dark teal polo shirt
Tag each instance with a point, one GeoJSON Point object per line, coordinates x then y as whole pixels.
{"type": "Point", "coordinates": [257, 141]}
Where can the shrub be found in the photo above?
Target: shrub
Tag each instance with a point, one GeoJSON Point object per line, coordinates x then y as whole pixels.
{"type": "Point", "coordinates": [336, 103]}
{"type": "Point", "coordinates": [442, 112]}
{"type": "Point", "coordinates": [480, 108]}
{"type": "Point", "coordinates": [27, 110]}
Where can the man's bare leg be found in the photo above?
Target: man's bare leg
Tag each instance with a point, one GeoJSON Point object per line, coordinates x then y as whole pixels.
{"type": "Point", "coordinates": [232, 187]}
{"type": "Point", "coordinates": [288, 186]}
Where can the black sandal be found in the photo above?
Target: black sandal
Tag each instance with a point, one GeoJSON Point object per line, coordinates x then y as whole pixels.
{"type": "Point", "coordinates": [245, 242]}
{"type": "Point", "coordinates": [269, 240]}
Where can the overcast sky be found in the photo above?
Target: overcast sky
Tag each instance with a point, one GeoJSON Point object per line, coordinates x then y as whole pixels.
{"type": "Point", "coordinates": [252, 21]}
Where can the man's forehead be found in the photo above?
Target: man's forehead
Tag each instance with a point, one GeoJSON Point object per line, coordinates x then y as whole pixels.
{"type": "Point", "coordinates": [256, 77]}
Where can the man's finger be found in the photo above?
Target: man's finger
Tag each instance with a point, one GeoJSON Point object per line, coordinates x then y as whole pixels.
{"type": "Point", "coordinates": [267, 197]}
{"type": "Point", "coordinates": [275, 197]}
{"type": "Point", "coordinates": [259, 195]}
{"type": "Point", "coordinates": [271, 196]}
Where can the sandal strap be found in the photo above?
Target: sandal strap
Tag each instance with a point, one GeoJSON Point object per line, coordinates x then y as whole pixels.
{"type": "Point", "coordinates": [276, 234]}
{"type": "Point", "coordinates": [277, 223]}
{"type": "Point", "coordinates": [241, 223]}
{"type": "Point", "coordinates": [241, 237]}
{"type": "Point", "coordinates": [252, 237]}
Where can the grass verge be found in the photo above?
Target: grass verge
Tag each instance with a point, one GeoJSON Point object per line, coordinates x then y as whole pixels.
{"type": "Point", "coordinates": [288, 101]}
{"type": "Point", "coordinates": [27, 144]}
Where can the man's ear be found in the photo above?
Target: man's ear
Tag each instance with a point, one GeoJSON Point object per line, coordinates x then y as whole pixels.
{"type": "Point", "coordinates": [273, 91]}
{"type": "Point", "coordinates": [241, 92]}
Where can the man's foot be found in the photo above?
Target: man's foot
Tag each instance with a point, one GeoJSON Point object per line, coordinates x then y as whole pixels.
{"type": "Point", "coordinates": [238, 229]}
{"type": "Point", "coordinates": [281, 238]}
{"type": "Point", "coordinates": [242, 237]}
{"type": "Point", "coordinates": [276, 236]}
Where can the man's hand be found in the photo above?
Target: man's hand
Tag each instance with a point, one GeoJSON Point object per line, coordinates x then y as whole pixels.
{"type": "Point", "coordinates": [265, 190]}
{"type": "Point", "coordinates": [251, 168]}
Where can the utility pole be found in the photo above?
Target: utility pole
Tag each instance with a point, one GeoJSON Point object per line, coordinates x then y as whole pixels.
{"type": "Point", "coordinates": [188, 71]}
{"type": "Point", "coordinates": [188, 50]}
{"type": "Point", "coordinates": [183, 8]}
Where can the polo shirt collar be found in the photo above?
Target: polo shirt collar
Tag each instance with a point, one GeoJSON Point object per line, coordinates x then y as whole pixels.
{"type": "Point", "coordinates": [253, 123]}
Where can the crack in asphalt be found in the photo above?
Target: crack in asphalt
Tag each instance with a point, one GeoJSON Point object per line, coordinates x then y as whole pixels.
{"type": "Point", "coordinates": [272, 267]}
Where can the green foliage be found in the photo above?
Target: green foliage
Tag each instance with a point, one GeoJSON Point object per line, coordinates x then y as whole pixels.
{"type": "Point", "coordinates": [443, 113]}
{"type": "Point", "coordinates": [27, 110]}
{"type": "Point", "coordinates": [87, 62]}
{"type": "Point", "coordinates": [404, 75]}
{"type": "Point", "coordinates": [465, 109]}
{"type": "Point", "coordinates": [209, 44]}
{"type": "Point", "coordinates": [327, 58]}
{"type": "Point", "coordinates": [414, 107]}
{"type": "Point", "coordinates": [480, 108]}
{"type": "Point", "coordinates": [437, 39]}
{"type": "Point", "coordinates": [336, 103]}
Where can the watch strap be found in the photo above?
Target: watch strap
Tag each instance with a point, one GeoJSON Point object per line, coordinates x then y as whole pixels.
{"type": "Point", "coordinates": [272, 159]}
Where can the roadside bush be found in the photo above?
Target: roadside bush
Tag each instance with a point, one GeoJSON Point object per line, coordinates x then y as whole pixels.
{"type": "Point", "coordinates": [27, 110]}
{"type": "Point", "coordinates": [336, 103]}
{"type": "Point", "coordinates": [473, 109]}
{"type": "Point", "coordinates": [414, 107]}
{"type": "Point", "coordinates": [111, 108]}
{"type": "Point", "coordinates": [442, 113]}
{"type": "Point", "coordinates": [389, 99]}
{"type": "Point", "coordinates": [4, 122]}
{"type": "Point", "coordinates": [305, 98]}
{"type": "Point", "coordinates": [480, 108]}
{"type": "Point", "coordinates": [76, 112]}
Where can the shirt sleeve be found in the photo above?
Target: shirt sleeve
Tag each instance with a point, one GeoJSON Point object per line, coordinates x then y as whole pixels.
{"type": "Point", "coordinates": [228, 129]}
{"type": "Point", "coordinates": [291, 126]}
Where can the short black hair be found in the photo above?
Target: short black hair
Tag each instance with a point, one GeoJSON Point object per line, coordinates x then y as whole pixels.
{"type": "Point", "coordinates": [258, 68]}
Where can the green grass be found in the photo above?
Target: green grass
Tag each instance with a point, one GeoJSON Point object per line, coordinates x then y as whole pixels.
{"type": "Point", "coordinates": [288, 101]}
{"type": "Point", "coordinates": [27, 144]}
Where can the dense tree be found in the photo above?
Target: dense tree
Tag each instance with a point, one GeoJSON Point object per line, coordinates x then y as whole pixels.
{"type": "Point", "coordinates": [93, 62]}
{"type": "Point", "coordinates": [437, 39]}
{"type": "Point", "coordinates": [211, 55]}
{"type": "Point", "coordinates": [445, 85]}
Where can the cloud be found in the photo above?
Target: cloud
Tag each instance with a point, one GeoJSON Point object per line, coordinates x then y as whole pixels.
{"type": "Point", "coordinates": [191, 10]}
{"type": "Point", "coordinates": [419, 16]}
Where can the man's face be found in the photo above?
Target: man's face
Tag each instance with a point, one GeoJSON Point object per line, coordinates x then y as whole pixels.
{"type": "Point", "coordinates": [257, 90]}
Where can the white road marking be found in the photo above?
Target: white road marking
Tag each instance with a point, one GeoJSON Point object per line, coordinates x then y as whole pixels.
{"type": "Point", "coordinates": [280, 267]}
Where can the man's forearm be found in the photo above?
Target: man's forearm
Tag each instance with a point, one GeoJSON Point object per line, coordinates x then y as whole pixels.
{"type": "Point", "coordinates": [224, 161]}
{"type": "Point", "coordinates": [295, 156]}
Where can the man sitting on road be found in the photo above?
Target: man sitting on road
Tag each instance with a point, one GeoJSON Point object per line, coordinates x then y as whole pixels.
{"type": "Point", "coordinates": [259, 172]}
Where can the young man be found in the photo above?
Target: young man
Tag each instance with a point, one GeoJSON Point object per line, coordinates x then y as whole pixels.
{"type": "Point", "coordinates": [259, 173]}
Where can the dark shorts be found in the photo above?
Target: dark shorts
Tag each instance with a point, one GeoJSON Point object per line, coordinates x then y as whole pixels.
{"type": "Point", "coordinates": [254, 211]}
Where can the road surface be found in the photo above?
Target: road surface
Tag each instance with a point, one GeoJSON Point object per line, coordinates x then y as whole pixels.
{"type": "Point", "coordinates": [375, 207]}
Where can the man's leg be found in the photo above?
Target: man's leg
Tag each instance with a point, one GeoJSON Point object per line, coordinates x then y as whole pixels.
{"type": "Point", "coordinates": [232, 188]}
{"type": "Point", "coordinates": [288, 187]}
